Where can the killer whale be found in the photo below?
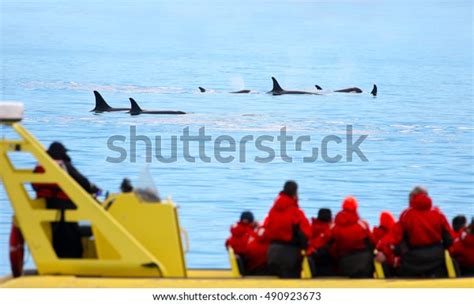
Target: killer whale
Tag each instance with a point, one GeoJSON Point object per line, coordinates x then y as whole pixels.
{"type": "Point", "coordinates": [102, 106]}
{"type": "Point", "coordinates": [349, 90]}
{"type": "Point", "coordinates": [136, 110]}
{"type": "Point", "coordinates": [374, 90]}
{"type": "Point", "coordinates": [241, 92]}
{"type": "Point", "coordinates": [346, 90]}
{"type": "Point", "coordinates": [203, 90]}
{"type": "Point", "coordinates": [277, 90]}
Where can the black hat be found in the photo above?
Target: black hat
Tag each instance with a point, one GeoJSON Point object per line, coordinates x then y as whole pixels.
{"type": "Point", "coordinates": [325, 215]}
{"type": "Point", "coordinates": [290, 188]}
{"type": "Point", "coordinates": [459, 222]}
{"type": "Point", "coordinates": [247, 216]}
{"type": "Point", "coordinates": [58, 151]}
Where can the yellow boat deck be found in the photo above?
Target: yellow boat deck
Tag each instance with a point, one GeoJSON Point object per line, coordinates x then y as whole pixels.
{"type": "Point", "coordinates": [222, 278]}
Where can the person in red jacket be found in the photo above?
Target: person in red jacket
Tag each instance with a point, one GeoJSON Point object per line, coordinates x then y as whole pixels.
{"type": "Point", "coordinates": [288, 231]}
{"type": "Point", "coordinates": [248, 245]}
{"type": "Point", "coordinates": [422, 234]}
{"type": "Point", "coordinates": [322, 262]}
{"type": "Point", "coordinates": [352, 242]}
{"type": "Point", "coordinates": [386, 223]}
{"type": "Point", "coordinates": [463, 250]}
{"type": "Point", "coordinates": [240, 233]}
{"type": "Point", "coordinates": [384, 243]}
{"type": "Point", "coordinates": [255, 255]}
{"type": "Point", "coordinates": [66, 236]}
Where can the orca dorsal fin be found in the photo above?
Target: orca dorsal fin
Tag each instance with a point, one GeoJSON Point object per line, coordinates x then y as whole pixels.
{"type": "Point", "coordinates": [374, 90]}
{"type": "Point", "coordinates": [202, 89]}
{"type": "Point", "coordinates": [135, 108]}
{"type": "Point", "coordinates": [318, 87]}
{"type": "Point", "coordinates": [276, 86]}
{"type": "Point", "coordinates": [100, 103]}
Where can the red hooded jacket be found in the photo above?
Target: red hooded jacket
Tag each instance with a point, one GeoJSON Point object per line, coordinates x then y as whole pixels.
{"type": "Point", "coordinates": [463, 249]}
{"type": "Point", "coordinates": [383, 236]}
{"type": "Point", "coordinates": [350, 233]}
{"type": "Point", "coordinates": [386, 223]}
{"type": "Point", "coordinates": [320, 235]}
{"type": "Point", "coordinates": [422, 223]}
{"type": "Point", "coordinates": [240, 233]}
{"type": "Point", "coordinates": [283, 216]}
{"type": "Point", "coordinates": [255, 254]}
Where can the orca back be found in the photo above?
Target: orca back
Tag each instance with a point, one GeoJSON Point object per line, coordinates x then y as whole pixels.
{"type": "Point", "coordinates": [100, 103]}
{"type": "Point", "coordinates": [276, 86]}
{"type": "Point", "coordinates": [135, 108]}
{"type": "Point", "coordinates": [374, 90]}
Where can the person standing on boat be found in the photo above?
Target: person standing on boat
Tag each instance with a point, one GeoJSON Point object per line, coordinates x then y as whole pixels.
{"type": "Point", "coordinates": [66, 235]}
{"type": "Point", "coordinates": [288, 231]}
{"type": "Point", "coordinates": [421, 235]}
{"type": "Point", "coordinates": [352, 242]}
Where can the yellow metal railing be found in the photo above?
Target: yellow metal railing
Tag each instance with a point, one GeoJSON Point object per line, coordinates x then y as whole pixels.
{"type": "Point", "coordinates": [133, 257]}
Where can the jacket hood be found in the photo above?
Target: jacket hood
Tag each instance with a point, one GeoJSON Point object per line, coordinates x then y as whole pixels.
{"type": "Point", "coordinates": [240, 229]}
{"type": "Point", "coordinates": [284, 202]}
{"type": "Point", "coordinates": [421, 202]}
{"type": "Point", "coordinates": [350, 204]}
{"type": "Point", "coordinates": [346, 218]}
{"type": "Point", "coordinates": [386, 220]}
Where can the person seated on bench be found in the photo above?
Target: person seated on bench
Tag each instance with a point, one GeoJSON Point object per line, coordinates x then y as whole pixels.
{"type": "Point", "coordinates": [288, 231]}
{"type": "Point", "coordinates": [384, 243]}
{"type": "Point", "coordinates": [322, 262]}
{"type": "Point", "coordinates": [247, 242]}
{"type": "Point", "coordinates": [463, 250]}
{"type": "Point", "coordinates": [352, 242]}
{"type": "Point", "coordinates": [66, 235]}
{"type": "Point", "coordinates": [421, 235]}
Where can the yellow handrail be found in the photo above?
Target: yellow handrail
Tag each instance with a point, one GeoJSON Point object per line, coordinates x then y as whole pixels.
{"type": "Point", "coordinates": [234, 266]}
{"type": "Point", "coordinates": [449, 265]}
{"type": "Point", "coordinates": [132, 255]}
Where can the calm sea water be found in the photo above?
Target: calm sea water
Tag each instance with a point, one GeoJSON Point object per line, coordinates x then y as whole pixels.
{"type": "Point", "coordinates": [420, 127]}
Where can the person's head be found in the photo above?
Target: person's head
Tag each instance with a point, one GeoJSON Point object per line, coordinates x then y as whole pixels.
{"type": "Point", "coordinates": [459, 222]}
{"type": "Point", "coordinates": [417, 190]}
{"type": "Point", "coordinates": [290, 188]}
{"type": "Point", "coordinates": [126, 186]}
{"type": "Point", "coordinates": [247, 217]}
{"type": "Point", "coordinates": [386, 219]}
{"type": "Point", "coordinates": [58, 151]}
{"type": "Point", "coordinates": [350, 204]}
{"type": "Point", "coordinates": [325, 215]}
